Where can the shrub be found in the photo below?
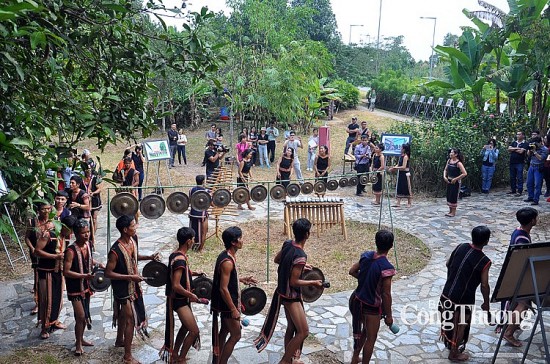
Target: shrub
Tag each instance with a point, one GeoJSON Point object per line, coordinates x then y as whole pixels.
{"type": "Point", "coordinates": [348, 93]}
{"type": "Point", "coordinates": [468, 132]}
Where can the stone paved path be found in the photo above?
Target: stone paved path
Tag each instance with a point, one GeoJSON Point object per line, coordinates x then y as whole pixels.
{"type": "Point", "coordinates": [329, 319]}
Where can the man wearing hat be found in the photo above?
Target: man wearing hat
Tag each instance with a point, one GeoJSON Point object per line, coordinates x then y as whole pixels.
{"type": "Point", "coordinates": [362, 161]}
{"type": "Point", "coordinates": [263, 141]}
{"type": "Point", "coordinates": [352, 130]}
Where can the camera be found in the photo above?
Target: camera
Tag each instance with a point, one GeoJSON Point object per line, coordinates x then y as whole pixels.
{"type": "Point", "coordinates": [533, 146]}
{"type": "Point", "coordinates": [222, 149]}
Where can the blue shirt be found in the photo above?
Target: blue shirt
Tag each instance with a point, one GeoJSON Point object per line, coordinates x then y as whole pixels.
{"type": "Point", "coordinates": [360, 150]}
{"type": "Point", "coordinates": [372, 269]}
{"type": "Point", "coordinates": [490, 155]}
{"type": "Point", "coordinates": [543, 152]}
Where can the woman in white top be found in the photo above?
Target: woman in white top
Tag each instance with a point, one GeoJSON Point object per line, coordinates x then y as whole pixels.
{"type": "Point", "coordinates": [182, 141]}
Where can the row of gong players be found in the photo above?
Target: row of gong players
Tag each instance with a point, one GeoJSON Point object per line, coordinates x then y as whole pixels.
{"type": "Point", "coordinates": [153, 206]}
{"type": "Point", "coordinates": [227, 301]}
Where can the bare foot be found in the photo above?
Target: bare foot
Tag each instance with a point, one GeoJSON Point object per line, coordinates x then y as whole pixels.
{"type": "Point", "coordinates": [44, 335]}
{"type": "Point", "coordinates": [59, 326]}
{"type": "Point", "coordinates": [450, 215]}
{"type": "Point", "coordinates": [513, 341]}
{"type": "Point", "coordinates": [240, 207]}
{"type": "Point", "coordinates": [251, 208]}
{"type": "Point", "coordinates": [87, 343]}
{"type": "Point", "coordinates": [130, 360]}
{"type": "Point", "coordinates": [459, 357]}
{"type": "Point", "coordinates": [119, 344]}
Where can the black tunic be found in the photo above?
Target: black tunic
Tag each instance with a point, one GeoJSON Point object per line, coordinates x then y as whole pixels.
{"type": "Point", "coordinates": [376, 163]}
{"type": "Point", "coordinates": [177, 261]}
{"type": "Point", "coordinates": [453, 190]}
{"type": "Point", "coordinates": [291, 255]}
{"type": "Point", "coordinates": [402, 187]}
{"type": "Point", "coordinates": [217, 303]}
{"type": "Point", "coordinates": [81, 265]}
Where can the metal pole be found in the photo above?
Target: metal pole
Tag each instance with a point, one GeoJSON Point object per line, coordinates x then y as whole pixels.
{"type": "Point", "coordinates": [433, 44]}
{"type": "Point", "coordinates": [378, 37]}
{"type": "Point", "coordinates": [432, 56]}
{"type": "Point", "coordinates": [349, 41]}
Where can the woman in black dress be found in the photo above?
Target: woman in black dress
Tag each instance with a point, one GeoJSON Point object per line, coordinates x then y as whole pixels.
{"type": "Point", "coordinates": [403, 188]}
{"type": "Point", "coordinates": [378, 165]}
{"type": "Point", "coordinates": [284, 167]}
{"type": "Point", "coordinates": [321, 165]}
{"type": "Point", "coordinates": [244, 174]}
{"type": "Point", "coordinates": [453, 173]}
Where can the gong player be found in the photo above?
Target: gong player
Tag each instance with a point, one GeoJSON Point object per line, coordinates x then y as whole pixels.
{"type": "Point", "coordinates": [179, 297]}
{"type": "Point", "coordinates": [226, 297]}
{"type": "Point", "coordinates": [292, 260]}
{"type": "Point", "coordinates": [77, 270]}
{"type": "Point", "coordinates": [128, 306]}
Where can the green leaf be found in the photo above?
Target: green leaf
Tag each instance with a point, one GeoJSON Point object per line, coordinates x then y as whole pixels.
{"type": "Point", "coordinates": [17, 66]}
{"type": "Point", "coordinates": [38, 38]}
{"type": "Point", "coordinates": [7, 15]}
{"type": "Point", "coordinates": [48, 132]}
{"type": "Point", "coordinates": [22, 142]}
{"type": "Point", "coordinates": [159, 18]}
{"type": "Point", "coordinates": [115, 7]}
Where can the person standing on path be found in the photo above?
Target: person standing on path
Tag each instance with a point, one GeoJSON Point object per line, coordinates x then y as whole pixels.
{"type": "Point", "coordinates": [362, 154]}
{"type": "Point", "coordinates": [537, 154]}
{"type": "Point", "coordinates": [77, 270]}
{"type": "Point", "coordinates": [453, 174]}
{"type": "Point", "coordinates": [179, 296]}
{"type": "Point", "coordinates": [284, 167]}
{"type": "Point", "coordinates": [372, 298]}
{"type": "Point", "coordinates": [172, 143]}
{"type": "Point", "coordinates": [378, 165]}
{"type": "Point", "coordinates": [403, 187]}
{"type": "Point", "coordinates": [518, 151]}
{"type": "Point", "coordinates": [292, 260]}
{"type": "Point", "coordinates": [294, 143]}
{"type": "Point", "coordinates": [226, 297]}
{"type": "Point", "coordinates": [489, 153]}
{"type": "Point", "coordinates": [467, 268]}
{"type": "Point", "coordinates": [122, 268]}
{"type": "Point", "coordinates": [49, 251]}
{"type": "Point", "coordinates": [272, 134]}
{"type": "Point", "coordinates": [138, 159]}
{"type": "Point", "coordinates": [198, 220]}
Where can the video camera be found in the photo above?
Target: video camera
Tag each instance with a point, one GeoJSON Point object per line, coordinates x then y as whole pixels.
{"type": "Point", "coordinates": [534, 143]}
{"type": "Point", "coordinates": [222, 148]}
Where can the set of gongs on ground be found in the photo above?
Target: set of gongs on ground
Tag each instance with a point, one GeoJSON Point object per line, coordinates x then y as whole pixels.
{"type": "Point", "coordinates": [153, 206]}
{"type": "Point", "coordinates": [253, 299]}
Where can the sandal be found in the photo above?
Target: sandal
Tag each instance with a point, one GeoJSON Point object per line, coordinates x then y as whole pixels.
{"type": "Point", "coordinates": [34, 311]}
{"type": "Point", "coordinates": [44, 335]}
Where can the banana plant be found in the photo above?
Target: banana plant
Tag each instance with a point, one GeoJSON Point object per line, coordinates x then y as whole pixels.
{"type": "Point", "coordinates": [463, 71]}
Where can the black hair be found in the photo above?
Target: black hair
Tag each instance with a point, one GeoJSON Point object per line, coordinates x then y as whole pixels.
{"type": "Point", "coordinates": [384, 240]}
{"type": "Point", "coordinates": [315, 129]}
{"type": "Point", "coordinates": [300, 227]}
{"type": "Point", "coordinates": [70, 221]}
{"type": "Point", "coordinates": [458, 153]}
{"type": "Point", "coordinates": [492, 141]}
{"type": "Point", "coordinates": [381, 146]}
{"type": "Point", "coordinates": [79, 224]}
{"type": "Point", "coordinates": [480, 235]}
{"type": "Point", "coordinates": [285, 149]}
{"type": "Point", "coordinates": [199, 179]}
{"type": "Point", "coordinates": [407, 148]}
{"type": "Point", "coordinates": [41, 204]}
{"type": "Point", "coordinates": [324, 146]}
{"type": "Point", "coordinates": [77, 179]}
{"type": "Point", "coordinates": [231, 235]}
{"type": "Point", "coordinates": [62, 193]}
{"type": "Point", "coordinates": [127, 152]}
{"type": "Point", "coordinates": [241, 136]}
{"type": "Point", "coordinates": [526, 214]}
{"type": "Point", "coordinates": [184, 234]}
{"type": "Point", "coordinates": [123, 222]}
{"type": "Point", "coordinates": [247, 151]}
{"type": "Point", "coordinates": [536, 132]}
{"type": "Point", "coordinates": [138, 147]}
{"type": "Point", "coordinates": [210, 143]}
{"type": "Point", "coordinates": [292, 133]}
{"type": "Point", "coordinates": [127, 160]}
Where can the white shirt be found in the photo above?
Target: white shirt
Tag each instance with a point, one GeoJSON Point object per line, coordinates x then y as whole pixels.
{"type": "Point", "coordinates": [182, 139]}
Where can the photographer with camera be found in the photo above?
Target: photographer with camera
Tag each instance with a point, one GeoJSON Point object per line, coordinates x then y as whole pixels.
{"type": "Point", "coordinates": [518, 150]}
{"type": "Point", "coordinates": [212, 156]}
{"type": "Point", "coordinates": [537, 154]}
{"type": "Point", "coordinates": [489, 152]}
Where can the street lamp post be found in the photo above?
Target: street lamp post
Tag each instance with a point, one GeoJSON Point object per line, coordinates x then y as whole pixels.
{"type": "Point", "coordinates": [433, 43]}
{"type": "Point", "coordinates": [351, 26]}
{"type": "Point", "coordinates": [378, 37]}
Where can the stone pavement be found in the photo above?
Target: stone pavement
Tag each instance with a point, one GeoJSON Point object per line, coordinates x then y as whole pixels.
{"type": "Point", "coordinates": [329, 319]}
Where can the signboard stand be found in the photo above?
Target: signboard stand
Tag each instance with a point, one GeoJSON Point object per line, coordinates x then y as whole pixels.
{"type": "Point", "coordinates": [4, 191]}
{"type": "Point", "coordinates": [403, 100]}
{"type": "Point", "coordinates": [528, 285]}
{"type": "Point", "coordinates": [411, 102]}
{"type": "Point", "coordinates": [157, 151]}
